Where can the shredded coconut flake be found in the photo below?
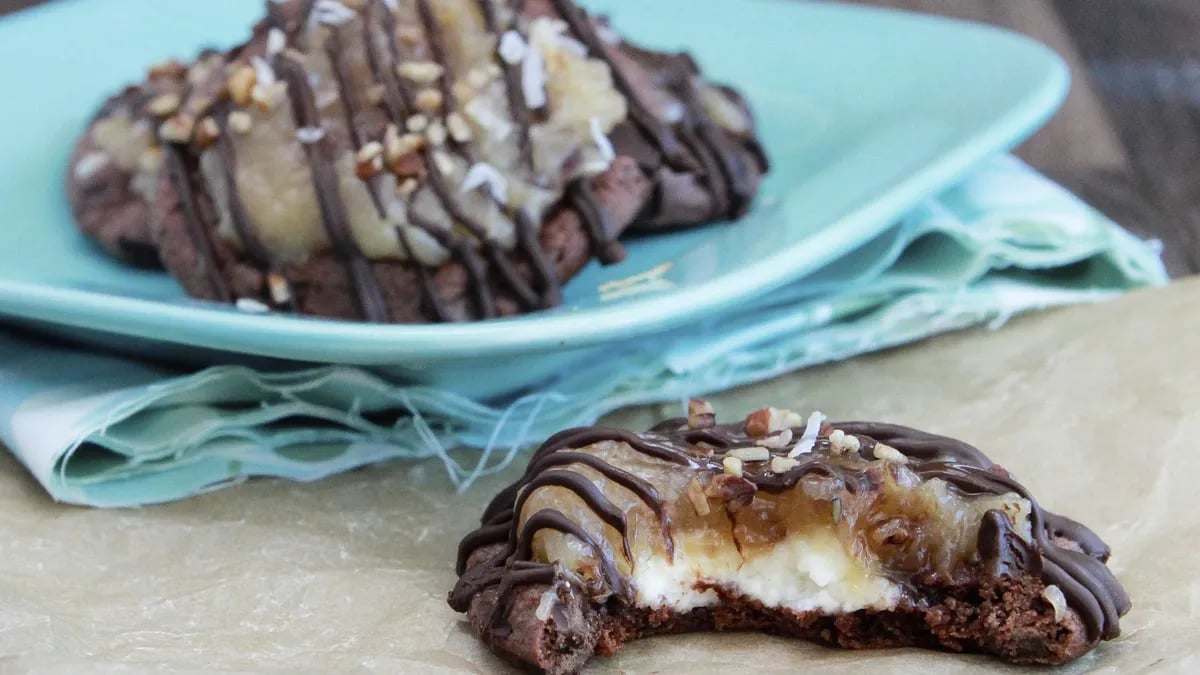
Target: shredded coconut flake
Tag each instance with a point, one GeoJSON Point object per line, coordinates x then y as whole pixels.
{"type": "Point", "coordinates": [533, 79]}
{"type": "Point", "coordinates": [570, 44]}
{"type": "Point", "coordinates": [251, 305]}
{"type": "Point", "coordinates": [513, 48]}
{"type": "Point", "coordinates": [444, 162]}
{"type": "Point", "coordinates": [276, 42]}
{"type": "Point", "coordinates": [331, 13]}
{"type": "Point", "coordinates": [1054, 595]}
{"type": "Point", "coordinates": [90, 164]}
{"type": "Point", "coordinates": [674, 112]}
{"type": "Point", "coordinates": [496, 125]}
{"type": "Point", "coordinates": [546, 605]}
{"type": "Point", "coordinates": [486, 175]}
{"type": "Point", "coordinates": [310, 135]}
{"type": "Point", "coordinates": [602, 141]}
{"type": "Point", "coordinates": [264, 73]}
{"type": "Point", "coordinates": [328, 98]}
{"type": "Point", "coordinates": [777, 441]}
{"type": "Point", "coordinates": [808, 439]}
{"type": "Point", "coordinates": [755, 454]}
{"type": "Point", "coordinates": [608, 35]}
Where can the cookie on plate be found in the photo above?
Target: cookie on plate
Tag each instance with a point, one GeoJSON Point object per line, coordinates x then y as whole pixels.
{"type": "Point", "coordinates": [418, 160]}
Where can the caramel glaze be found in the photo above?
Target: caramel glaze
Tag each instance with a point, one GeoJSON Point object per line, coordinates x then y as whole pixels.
{"type": "Point", "coordinates": [1085, 580]}
{"type": "Point", "coordinates": [694, 144]}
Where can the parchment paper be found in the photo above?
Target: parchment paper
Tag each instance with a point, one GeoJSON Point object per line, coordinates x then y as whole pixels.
{"type": "Point", "coordinates": [1096, 409]}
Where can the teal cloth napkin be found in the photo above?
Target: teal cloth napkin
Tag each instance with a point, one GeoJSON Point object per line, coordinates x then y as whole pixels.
{"type": "Point", "coordinates": [112, 432]}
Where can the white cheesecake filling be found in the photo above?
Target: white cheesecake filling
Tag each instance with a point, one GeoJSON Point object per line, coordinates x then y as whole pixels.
{"type": "Point", "coordinates": [805, 573]}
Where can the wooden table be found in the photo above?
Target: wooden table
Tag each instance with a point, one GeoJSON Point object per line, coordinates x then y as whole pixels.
{"type": "Point", "coordinates": [1128, 138]}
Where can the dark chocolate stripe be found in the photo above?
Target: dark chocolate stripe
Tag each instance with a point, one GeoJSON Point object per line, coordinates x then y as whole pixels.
{"type": "Point", "coordinates": [596, 222]}
{"type": "Point", "coordinates": [549, 519]}
{"type": "Point", "coordinates": [517, 107]}
{"type": "Point", "coordinates": [654, 130]}
{"type": "Point", "coordinates": [519, 112]}
{"type": "Point", "coordinates": [639, 487]}
{"type": "Point", "coordinates": [182, 180]}
{"type": "Point", "coordinates": [348, 97]}
{"type": "Point", "coordinates": [433, 304]}
{"type": "Point", "coordinates": [524, 294]}
{"type": "Point", "coordinates": [732, 164]}
{"type": "Point", "coordinates": [512, 581]}
{"type": "Point", "coordinates": [724, 163]}
{"type": "Point", "coordinates": [1092, 590]}
{"type": "Point", "coordinates": [246, 230]}
{"type": "Point", "coordinates": [359, 271]}
{"type": "Point", "coordinates": [281, 15]}
{"type": "Point", "coordinates": [588, 492]}
{"type": "Point", "coordinates": [543, 269]}
{"type": "Point", "coordinates": [495, 254]}
{"type": "Point", "coordinates": [712, 176]}
{"type": "Point", "coordinates": [397, 99]}
{"type": "Point", "coordinates": [485, 303]}
{"type": "Point", "coordinates": [477, 274]}
{"type": "Point", "coordinates": [437, 46]}
{"type": "Point", "coordinates": [571, 439]}
{"type": "Point", "coordinates": [484, 536]}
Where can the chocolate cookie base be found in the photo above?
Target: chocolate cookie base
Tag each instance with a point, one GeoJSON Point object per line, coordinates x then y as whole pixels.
{"type": "Point", "coordinates": [105, 205]}
{"type": "Point", "coordinates": [1004, 617]}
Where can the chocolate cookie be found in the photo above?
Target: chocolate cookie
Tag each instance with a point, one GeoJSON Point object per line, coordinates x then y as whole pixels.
{"type": "Point", "coordinates": [111, 178]}
{"type": "Point", "coordinates": [852, 534]}
{"type": "Point", "coordinates": [416, 161]}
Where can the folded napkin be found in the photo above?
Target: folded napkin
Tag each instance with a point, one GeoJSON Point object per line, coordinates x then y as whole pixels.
{"type": "Point", "coordinates": [112, 432]}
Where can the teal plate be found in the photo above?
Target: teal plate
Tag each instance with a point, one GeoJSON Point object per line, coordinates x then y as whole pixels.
{"type": "Point", "coordinates": [864, 113]}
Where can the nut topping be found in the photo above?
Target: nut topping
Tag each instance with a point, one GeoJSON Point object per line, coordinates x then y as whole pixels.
{"type": "Point", "coordinates": [701, 414]}
{"type": "Point", "coordinates": [758, 423]}
{"type": "Point", "coordinates": [240, 121]}
{"type": "Point", "coordinates": [755, 454]}
{"type": "Point", "coordinates": [177, 129]}
{"type": "Point", "coordinates": [421, 72]}
{"type": "Point", "coordinates": [733, 466]}
{"type": "Point", "coordinates": [241, 84]}
{"type": "Point", "coordinates": [207, 132]}
{"type": "Point", "coordinates": [890, 454]}
{"type": "Point", "coordinates": [164, 105]}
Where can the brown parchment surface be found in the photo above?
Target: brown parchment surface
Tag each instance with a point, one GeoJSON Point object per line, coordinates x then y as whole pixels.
{"type": "Point", "coordinates": [1096, 409]}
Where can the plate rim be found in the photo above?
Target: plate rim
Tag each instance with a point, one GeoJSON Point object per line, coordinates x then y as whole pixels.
{"type": "Point", "coordinates": [311, 339]}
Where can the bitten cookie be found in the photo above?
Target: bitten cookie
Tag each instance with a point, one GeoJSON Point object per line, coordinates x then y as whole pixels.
{"type": "Point", "coordinates": [413, 161]}
{"type": "Point", "coordinates": [853, 534]}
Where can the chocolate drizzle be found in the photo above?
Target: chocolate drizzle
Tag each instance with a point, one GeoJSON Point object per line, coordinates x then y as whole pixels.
{"type": "Point", "coordinates": [517, 107]}
{"type": "Point", "coordinates": [401, 102]}
{"type": "Point", "coordinates": [437, 46]}
{"type": "Point", "coordinates": [596, 221]}
{"type": "Point", "coordinates": [182, 178]}
{"type": "Point", "coordinates": [654, 130]}
{"type": "Point", "coordinates": [242, 224]}
{"type": "Point", "coordinates": [396, 95]}
{"type": "Point", "coordinates": [1086, 582]}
